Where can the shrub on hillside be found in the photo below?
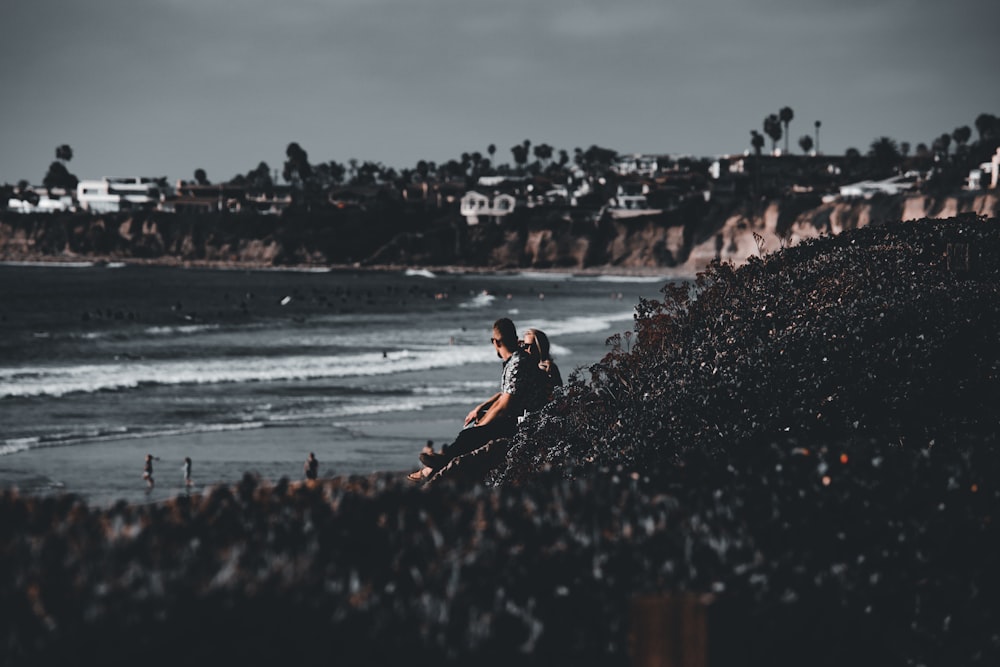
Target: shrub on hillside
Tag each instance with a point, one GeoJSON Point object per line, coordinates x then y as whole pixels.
{"type": "Point", "coordinates": [887, 332]}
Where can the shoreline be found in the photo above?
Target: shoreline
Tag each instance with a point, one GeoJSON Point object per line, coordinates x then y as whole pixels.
{"type": "Point", "coordinates": [673, 273]}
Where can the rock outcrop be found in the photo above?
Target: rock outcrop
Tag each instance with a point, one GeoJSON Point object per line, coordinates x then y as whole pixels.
{"type": "Point", "coordinates": [684, 240]}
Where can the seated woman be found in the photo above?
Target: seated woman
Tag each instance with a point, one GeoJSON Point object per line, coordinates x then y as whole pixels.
{"type": "Point", "coordinates": [536, 344]}
{"type": "Point", "coordinates": [474, 465]}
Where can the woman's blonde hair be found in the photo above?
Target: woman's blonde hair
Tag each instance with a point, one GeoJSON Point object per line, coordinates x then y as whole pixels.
{"type": "Point", "coordinates": [542, 341]}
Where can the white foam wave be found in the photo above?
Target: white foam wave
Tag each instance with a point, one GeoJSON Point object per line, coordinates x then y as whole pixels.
{"type": "Point", "coordinates": [630, 279]}
{"type": "Point", "coordinates": [581, 324]}
{"type": "Point", "coordinates": [180, 329]}
{"type": "Point", "coordinates": [454, 388]}
{"type": "Point", "coordinates": [481, 300]}
{"type": "Point", "coordinates": [52, 265]}
{"type": "Point", "coordinates": [364, 409]}
{"type": "Point", "coordinates": [17, 445]}
{"type": "Point", "coordinates": [422, 273]}
{"type": "Point", "coordinates": [129, 374]}
{"type": "Point", "coordinates": [553, 276]}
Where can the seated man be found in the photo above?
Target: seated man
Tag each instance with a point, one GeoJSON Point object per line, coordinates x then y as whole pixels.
{"type": "Point", "coordinates": [522, 387]}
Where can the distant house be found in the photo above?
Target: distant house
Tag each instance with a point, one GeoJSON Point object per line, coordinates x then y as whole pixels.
{"type": "Point", "coordinates": [474, 204]}
{"type": "Point", "coordinates": [229, 197]}
{"type": "Point", "coordinates": [110, 195]}
{"type": "Point", "coordinates": [893, 185]}
{"type": "Point", "coordinates": [630, 201]}
{"type": "Point", "coordinates": [987, 172]}
{"type": "Point", "coordinates": [641, 165]}
{"type": "Point", "coordinates": [41, 200]}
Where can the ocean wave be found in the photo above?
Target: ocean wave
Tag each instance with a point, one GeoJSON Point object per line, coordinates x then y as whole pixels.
{"type": "Point", "coordinates": [51, 265]}
{"type": "Point", "coordinates": [422, 273]}
{"type": "Point", "coordinates": [364, 409]}
{"type": "Point", "coordinates": [180, 329]}
{"type": "Point", "coordinates": [130, 374]}
{"type": "Point", "coordinates": [582, 324]}
{"type": "Point", "coordinates": [481, 300]}
{"type": "Point", "coordinates": [18, 445]}
{"type": "Point", "coordinates": [630, 279]}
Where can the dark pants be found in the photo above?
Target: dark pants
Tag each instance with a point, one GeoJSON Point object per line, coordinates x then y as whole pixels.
{"type": "Point", "coordinates": [475, 437]}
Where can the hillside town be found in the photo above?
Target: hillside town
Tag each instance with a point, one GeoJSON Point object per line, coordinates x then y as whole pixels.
{"type": "Point", "coordinates": [598, 183]}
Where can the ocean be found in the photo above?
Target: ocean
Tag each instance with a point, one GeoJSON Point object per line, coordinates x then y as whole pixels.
{"type": "Point", "coordinates": [250, 370]}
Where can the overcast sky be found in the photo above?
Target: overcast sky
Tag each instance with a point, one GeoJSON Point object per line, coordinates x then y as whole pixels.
{"type": "Point", "coordinates": [163, 87]}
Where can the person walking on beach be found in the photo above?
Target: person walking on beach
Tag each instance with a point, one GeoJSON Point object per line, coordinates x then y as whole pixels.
{"type": "Point", "coordinates": [522, 387]}
{"type": "Point", "coordinates": [187, 471]}
{"type": "Point", "coordinates": [147, 471]}
{"type": "Point", "coordinates": [311, 467]}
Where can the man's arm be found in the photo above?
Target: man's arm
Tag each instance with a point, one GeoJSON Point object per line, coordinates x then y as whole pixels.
{"type": "Point", "coordinates": [497, 409]}
{"type": "Point", "coordinates": [471, 417]}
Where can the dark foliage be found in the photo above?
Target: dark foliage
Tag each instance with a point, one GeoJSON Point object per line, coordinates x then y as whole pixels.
{"type": "Point", "coordinates": [885, 332]}
{"type": "Point", "coordinates": [811, 438]}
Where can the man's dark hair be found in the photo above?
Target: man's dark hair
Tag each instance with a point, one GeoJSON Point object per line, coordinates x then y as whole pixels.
{"type": "Point", "coordinates": [508, 332]}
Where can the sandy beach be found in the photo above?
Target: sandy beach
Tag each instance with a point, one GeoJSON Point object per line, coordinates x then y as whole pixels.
{"type": "Point", "coordinates": [109, 470]}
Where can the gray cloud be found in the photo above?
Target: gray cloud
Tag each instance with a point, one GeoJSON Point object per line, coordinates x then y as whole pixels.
{"type": "Point", "coordinates": [164, 87]}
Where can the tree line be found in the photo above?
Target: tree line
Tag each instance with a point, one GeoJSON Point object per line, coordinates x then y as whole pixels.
{"type": "Point", "coordinates": [884, 156]}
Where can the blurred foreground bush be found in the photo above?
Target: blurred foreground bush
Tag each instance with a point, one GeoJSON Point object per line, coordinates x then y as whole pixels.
{"type": "Point", "coordinates": [811, 439]}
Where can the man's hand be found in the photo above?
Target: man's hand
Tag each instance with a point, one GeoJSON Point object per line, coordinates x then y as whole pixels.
{"type": "Point", "coordinates": [498, 408]}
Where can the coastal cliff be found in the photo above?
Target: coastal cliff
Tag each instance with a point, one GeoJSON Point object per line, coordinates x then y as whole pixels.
{"type": "Point", "coordinates": [682, 241]}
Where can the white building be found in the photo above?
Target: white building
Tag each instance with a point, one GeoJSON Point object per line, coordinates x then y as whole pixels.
{"type": "Point", "coordinates": [41, 200]}
{"type": "Point", "coordinates": [986, 173]}
{"type": "Point", "coordinates": [643, 165]}
{"type": "Point", "coordinates": [110, 195]}
{"type": "Point", "coordinates": [888, 186]}
{"type": "Point", "coordinates": [474, 204]}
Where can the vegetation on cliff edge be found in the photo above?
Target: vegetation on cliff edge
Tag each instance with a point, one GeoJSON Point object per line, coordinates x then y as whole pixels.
{"type": "Point", "coordinates": [811, 439]}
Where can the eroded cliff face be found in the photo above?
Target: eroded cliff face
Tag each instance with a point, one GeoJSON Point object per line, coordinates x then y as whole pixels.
{"type": "Point", "coordinates": [784, 223]}
{"type": "Point", "coordinates": [680, 241]}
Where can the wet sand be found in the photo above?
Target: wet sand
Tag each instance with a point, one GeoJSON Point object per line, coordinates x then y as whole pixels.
{"type": "Point", "coordinates": [107, 471]}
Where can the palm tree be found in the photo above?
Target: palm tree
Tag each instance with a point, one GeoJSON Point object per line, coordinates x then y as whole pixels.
{"type": "Point", "coordinates": [543, 153]}
{"type": "Point", "coordinates": [64, 153]}
{"type": "Point", "coordinates": [817, 124]}
{"type": "Point", "coordinates": [772, 128]}
{"type": "Point", "coordinates": [942, 144]}
{"type": "Point", "coordinates": [987, 125]}
{"type": "Point", "coordinates": [805, 143]}
{"type": "Point", "coordinates": [884, 153]}
{"type": "Point", "coordinates": [520, 153]}
{"type": "Point", "coordinates": [757, 141]}
{"type": "Point", "coordinates": [297, 169]}
{"type": "Point", "coordinates": [59, 177]}
{"type": "Point", "coordinates": [961, 135]}
{"type": "Point", "coordinates": [786, 115]}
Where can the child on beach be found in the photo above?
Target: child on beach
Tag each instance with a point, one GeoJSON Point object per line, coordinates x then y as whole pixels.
{"type": "Point", "coordinates": [147, 472]}
{"type": "Point", "coordinates": [311, 467]}
{"type": "Point", "coordinates": [187, 471]}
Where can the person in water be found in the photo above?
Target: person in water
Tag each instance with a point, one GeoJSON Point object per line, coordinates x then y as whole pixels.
{"type": "Point", "coordinates": [147, 472]}
{"type": "Point", "coordinates": [311, 467]}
